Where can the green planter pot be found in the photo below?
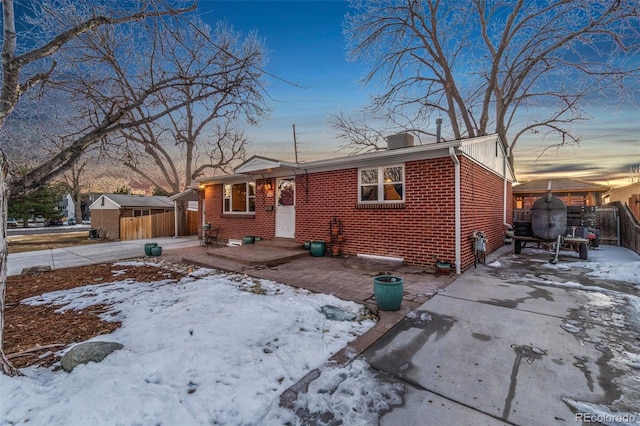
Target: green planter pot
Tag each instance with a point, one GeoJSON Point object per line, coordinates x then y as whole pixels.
{"type": "Point", "coordinates": [317, 248]}
{"type": "Point", "coordinates": [443, 268]}
{"type": "Point", "coordinates": [156, 251]}
{"type": "Point", "coordinates": [148, 247]}
{"type": "Point", "coordinates": [248, 239]}
{"type": "Point", "coordinates": [388, 290]}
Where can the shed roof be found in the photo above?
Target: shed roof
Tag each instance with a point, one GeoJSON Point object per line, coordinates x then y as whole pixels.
{"type": "Point", "coordinates": [189, 194]}
{"type": "Point", "coordinates": [135, 201]}
{"type": "Point", "coordinates": [561, 184]}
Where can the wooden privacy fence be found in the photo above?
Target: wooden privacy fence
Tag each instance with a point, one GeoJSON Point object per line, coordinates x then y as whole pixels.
{"type": "Point", "coordinates": [144, 227]}
{"type": "Point", "coordinates": [192, 222]}
{"type": "Point", "coordinates": [634, 205]}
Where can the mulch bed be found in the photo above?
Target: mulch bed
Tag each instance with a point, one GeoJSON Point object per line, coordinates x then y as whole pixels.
{"type": "Point", "coordinates": [28, 327]}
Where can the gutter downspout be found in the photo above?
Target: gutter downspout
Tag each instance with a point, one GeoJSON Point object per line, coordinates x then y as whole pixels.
{"type": "Point", "coordinates": [456, 162]}
{"type": "Point", "coordinates": [504, 190]}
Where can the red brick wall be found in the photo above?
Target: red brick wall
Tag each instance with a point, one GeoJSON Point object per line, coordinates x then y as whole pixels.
{"type": "Point", "coordinates": [420, 232]}
{"type": "Point", "coordinates": [236, 226]}
{"type": "Point", "coordinates": [482, 208]}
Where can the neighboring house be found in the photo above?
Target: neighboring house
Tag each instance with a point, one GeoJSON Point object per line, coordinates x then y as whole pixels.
{"type": "Point", "coordinates": [418, 203]}
{"type": "Point", "coordinates": [86, 202]}
{"type": "Point", "coordinates": [66, 207]}
{"type": "Point", "coordinates": [629, 195]}
{"type": "Point", "coordinates": [573, 192]}
{"type": "Point", "coordinates": [108, 210]}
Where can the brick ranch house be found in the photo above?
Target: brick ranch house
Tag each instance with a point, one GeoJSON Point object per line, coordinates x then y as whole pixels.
{"type": "Point", "coordinates": [418, 203]}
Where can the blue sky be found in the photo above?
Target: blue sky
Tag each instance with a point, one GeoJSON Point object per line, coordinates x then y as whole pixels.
{"type": "Point", "coordinates": [306, 47]}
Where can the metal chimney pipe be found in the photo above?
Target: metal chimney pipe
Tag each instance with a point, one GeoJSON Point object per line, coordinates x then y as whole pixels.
{"type": "Point", "coordinates": [438, 129]}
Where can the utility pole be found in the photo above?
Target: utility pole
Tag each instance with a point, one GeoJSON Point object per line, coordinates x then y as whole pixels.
{"type": "Point", "coordinates": [295, 143]}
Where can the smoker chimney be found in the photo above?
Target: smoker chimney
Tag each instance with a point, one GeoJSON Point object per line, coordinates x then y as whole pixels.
{"type": "Point", "coordinates": [438, 129]}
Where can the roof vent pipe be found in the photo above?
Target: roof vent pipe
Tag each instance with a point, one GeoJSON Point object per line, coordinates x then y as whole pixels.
{"type": "Point", "coordinates": [438, 129]}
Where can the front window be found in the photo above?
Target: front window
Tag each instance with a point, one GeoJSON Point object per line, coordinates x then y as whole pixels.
{"type": "Point", "coordinates": [382, 184]}
{"type": "Point", "coordinates": [240, 198]}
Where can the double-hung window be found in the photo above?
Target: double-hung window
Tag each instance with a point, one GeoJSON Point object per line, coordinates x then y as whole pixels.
{"type": "Point", "coordinates": [240, 197]}
{"type": "Point", "coordinates": [383, 184]}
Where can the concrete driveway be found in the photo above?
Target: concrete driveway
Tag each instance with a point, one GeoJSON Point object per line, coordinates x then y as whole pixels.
{"type": "Point", "coordinates": [515, 343]}
{"type": "Point", "coordinates": [91, 254]}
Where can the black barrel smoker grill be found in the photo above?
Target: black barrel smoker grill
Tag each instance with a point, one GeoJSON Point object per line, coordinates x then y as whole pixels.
{"type": "Point", "coordinates": [548, 226]}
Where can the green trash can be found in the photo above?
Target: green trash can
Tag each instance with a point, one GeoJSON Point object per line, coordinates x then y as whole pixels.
{"type": "Point", "coordinates": [388, 290]}
{"type": "Point", "coordinates": [156, 251]}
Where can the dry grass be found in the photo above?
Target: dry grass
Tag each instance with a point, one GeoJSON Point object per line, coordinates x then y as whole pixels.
{"type": "Point", "coordinates": [22, 243]}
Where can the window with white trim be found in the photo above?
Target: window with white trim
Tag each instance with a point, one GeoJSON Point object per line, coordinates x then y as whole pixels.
{"type": "Point", "coordinates": [383, 184]}
{"type": "Point", "coordinates": [239, 198]}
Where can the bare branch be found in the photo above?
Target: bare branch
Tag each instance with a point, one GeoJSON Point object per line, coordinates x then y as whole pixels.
{"type": "Point", "coordinates": [484, 65]}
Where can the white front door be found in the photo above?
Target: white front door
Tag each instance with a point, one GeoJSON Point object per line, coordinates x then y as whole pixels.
{"type": "Point", "coordinates": [286, 208]}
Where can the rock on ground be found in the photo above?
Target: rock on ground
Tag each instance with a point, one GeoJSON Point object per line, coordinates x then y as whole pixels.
{"type": "Point", "coordinates": [86, 352]}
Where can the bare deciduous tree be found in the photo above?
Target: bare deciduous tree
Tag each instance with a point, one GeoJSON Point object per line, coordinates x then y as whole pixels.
{"type": "Point", "coordinates": [488, 65]}
{"type": "Point", "coordinates": [36, 63]}
{"type": "Point", "coordinates": [204, 134]}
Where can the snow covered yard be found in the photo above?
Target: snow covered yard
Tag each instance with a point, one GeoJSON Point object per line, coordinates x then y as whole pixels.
{"type": "Point", "coordinates": [211, 349]}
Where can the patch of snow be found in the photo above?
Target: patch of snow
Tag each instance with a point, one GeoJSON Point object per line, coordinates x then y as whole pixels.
{"type": "Point", "coordinates": [596, 413]}
{"type": "Point", "coordinates": [219, 349]}
{"type": "Point", "coordinates": [352, 394]}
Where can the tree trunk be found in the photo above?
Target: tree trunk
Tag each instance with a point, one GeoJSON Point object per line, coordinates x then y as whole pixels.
{"type": "Point", "coordinates": [7, 368]}
{"type": "Point", "coordinates": [183, 226]}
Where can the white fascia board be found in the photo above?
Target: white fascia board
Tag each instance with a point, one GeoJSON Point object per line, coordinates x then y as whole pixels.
{"type": "Point", "coordinates": [190, 194]}
{"type": "Point", "coordinates": [480, 139]}
{"type": "Point", "coordinates": [235, 178]}
{"type": "Point", "coordinates": [266, 167]}
{"type": "Point", "coordinates": [482, 150]}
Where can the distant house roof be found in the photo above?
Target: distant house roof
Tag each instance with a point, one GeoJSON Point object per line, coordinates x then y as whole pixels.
{"type": "Point", "coordinates": [558, 185]}
{"type": "Point", "coordinates": [131, 201]}
{"type": "Point", "coordinates": [632, 187]}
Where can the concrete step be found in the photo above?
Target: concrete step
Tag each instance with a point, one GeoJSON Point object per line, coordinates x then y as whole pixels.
{"type": "Point", "coordinates": [282, 243]}
{"type": "Point", "coordinates": [259, 254]}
